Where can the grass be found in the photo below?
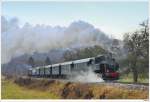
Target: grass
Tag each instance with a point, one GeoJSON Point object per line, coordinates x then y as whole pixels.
{"type": "Point", "coordinates": [129, 78]}
{"type": "Point", "coordinates": [23, 88]}
{"type": "Point", "coordinates": [11, 90]}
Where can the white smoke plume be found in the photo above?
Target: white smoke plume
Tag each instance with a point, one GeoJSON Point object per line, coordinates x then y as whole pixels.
{"type": "Point", "coordinates": [27, 39]}
{"type": "Point", "coordinates": [86, 77]}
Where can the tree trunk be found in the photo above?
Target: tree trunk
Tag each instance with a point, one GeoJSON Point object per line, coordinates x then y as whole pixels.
{"type": "Point", "coordinates": [135, 75]}
{"type": "Point", "coordinates": [135, 72]}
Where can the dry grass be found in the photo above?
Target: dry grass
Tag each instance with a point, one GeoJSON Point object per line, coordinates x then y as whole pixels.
{"type": "Point", "coordinates": [67, 90]}
{"type": "Point", "coordinates": [110, 92]}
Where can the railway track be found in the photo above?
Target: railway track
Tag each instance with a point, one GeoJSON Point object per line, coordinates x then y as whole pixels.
{"type": "Point", "coordinates": [127, 85]}
{"type": "Point", "coordinates": [145, 84]}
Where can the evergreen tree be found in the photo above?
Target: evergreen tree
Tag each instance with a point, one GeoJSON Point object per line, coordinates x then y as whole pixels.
{"type": "Point", "coordinates": [31, 61]}
{"type": "Point", "coordinates": [47, 61]}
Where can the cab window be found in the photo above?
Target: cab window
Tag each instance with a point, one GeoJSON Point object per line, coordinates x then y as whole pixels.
{"type": "Point", "coordinates": [104, 67]}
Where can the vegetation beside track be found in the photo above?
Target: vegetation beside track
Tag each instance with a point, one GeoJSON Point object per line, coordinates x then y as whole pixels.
{"type": "Point", "coordinates": [129, 78]}
{"type": "Point", "coordinates": [11, 90]}
{"type": "Point", "coordinates": [26, 88]}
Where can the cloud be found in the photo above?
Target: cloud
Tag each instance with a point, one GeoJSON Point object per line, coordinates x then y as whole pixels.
{"type": "Point", "coordinates": [27, 39]}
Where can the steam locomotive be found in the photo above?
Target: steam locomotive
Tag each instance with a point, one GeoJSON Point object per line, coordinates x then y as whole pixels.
{"type": "Point", "coordinates": [103, 65]}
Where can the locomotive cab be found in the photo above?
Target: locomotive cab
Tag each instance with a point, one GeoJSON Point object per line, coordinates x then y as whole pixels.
{"type": "Point", "coordinates": [107, 67]}
{"type": "Point", "coordinates": [108, 72]}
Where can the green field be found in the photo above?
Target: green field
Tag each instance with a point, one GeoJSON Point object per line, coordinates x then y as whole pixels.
{"type": "Point", "coordinates": [129, 78]}
{"type": "Point", "coordinates": [11, 90]}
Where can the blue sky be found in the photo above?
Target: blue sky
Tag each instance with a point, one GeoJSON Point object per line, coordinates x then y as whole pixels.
{"type": "Point", "coordinates": [114, 18]}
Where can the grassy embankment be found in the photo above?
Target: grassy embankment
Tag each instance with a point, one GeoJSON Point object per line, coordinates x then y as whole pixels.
{"type": "Point", "coordinates": [51, 89]}
{"type": "Point", "coordinates": [10, 90]}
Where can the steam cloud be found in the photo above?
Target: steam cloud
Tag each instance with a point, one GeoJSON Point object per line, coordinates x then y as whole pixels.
{"type": "Point", "coordinates": [27, 39]}
{"type": "Point", "coordinates": [86, 76]}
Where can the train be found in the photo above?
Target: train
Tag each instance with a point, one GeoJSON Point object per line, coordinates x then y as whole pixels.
{"type": "Point", "coordinates": [104, 66]}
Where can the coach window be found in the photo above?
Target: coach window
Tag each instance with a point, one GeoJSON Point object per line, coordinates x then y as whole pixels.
{"type": "Point", "coordinates": [51, 70]}
{"type": "Point", "coordinates": [39, 71]}
{"type": "Point", "coordinates": [44, 70]}
{"type": "Point", "coordinates": [59, 69]}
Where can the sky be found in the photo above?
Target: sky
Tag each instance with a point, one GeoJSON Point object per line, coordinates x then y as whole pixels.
{"type": "Point", "coordinates": [113, 18]}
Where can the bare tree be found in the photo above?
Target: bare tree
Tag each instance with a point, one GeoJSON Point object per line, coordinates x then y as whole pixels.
{"type": "Point", "coordinates": [137, 45]}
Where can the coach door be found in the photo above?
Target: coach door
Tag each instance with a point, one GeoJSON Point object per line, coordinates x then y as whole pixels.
{"type": "Point", "coordinates": [72, 66]}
